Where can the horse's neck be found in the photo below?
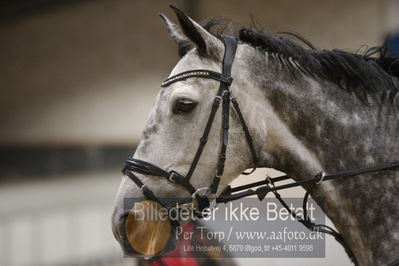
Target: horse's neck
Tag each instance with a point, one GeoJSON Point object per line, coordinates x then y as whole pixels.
{"type": "Point", "coordinates": [325, 128]}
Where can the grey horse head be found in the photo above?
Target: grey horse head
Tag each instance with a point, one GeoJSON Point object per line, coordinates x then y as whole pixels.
{"type": "Point", "coordinates": [307, 110]}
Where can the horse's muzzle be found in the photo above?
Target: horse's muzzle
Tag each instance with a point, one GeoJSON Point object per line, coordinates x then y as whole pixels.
{"type": "Point", "coordinates": [145, 230]}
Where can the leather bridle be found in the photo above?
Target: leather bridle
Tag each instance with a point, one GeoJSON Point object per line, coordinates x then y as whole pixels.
{"type": "Point", "coordinates": [225, 96]}
{"type": "Point", "coordinates": [201, 195]}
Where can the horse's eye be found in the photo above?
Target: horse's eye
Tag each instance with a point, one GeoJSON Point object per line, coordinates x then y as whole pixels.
{"type": "Point", "coordinates": [183, 106]}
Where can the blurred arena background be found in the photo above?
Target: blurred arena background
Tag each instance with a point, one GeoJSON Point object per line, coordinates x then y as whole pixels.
{"type": "Point", "coordinates": [78, 78]}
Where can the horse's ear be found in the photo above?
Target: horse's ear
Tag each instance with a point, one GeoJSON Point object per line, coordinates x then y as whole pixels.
{"type": "Point", "coordinates": [183, 43]}
{"type": "Point", "coordinates": [207, 44]}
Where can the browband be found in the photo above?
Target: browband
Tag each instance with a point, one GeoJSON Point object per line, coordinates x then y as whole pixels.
{"type": "Point", "coordinates": [199, 73]}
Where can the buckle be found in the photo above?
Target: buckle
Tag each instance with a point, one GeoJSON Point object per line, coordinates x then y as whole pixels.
{"type": "Point", "coordinates": [322, 174]}
{"type": "Point", "coordinates": [172, 174]}
{"type": "Point", "coordinates": [205, 189]}
{"type": "Point", "coordinates": [232, 96]}
{"type": "Point", "coordinates": [206, 192]}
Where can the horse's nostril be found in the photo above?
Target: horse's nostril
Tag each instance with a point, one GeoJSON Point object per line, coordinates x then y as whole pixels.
{"type": "Point", "coordinates": [118, 225]}
{"type": "Point", "coordinates": [115, 232]}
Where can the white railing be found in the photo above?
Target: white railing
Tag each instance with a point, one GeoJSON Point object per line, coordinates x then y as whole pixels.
{"type": "Point", "coordinates": [58, 223]}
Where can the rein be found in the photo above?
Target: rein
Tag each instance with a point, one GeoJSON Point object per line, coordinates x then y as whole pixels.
{"type": "Point", "coordinates": [268, 185]}
{"type": "Point", "coordinates": [200, 196]}
{"type": "Point", "coordinates": [262, 191]}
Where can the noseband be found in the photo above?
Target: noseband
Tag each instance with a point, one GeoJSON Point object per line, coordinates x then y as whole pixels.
{"type": "Point", "coordinates": [224, 96]}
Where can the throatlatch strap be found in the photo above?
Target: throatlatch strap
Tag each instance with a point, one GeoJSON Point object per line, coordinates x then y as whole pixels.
{"type": "Point", "coordinates": [246, 132]}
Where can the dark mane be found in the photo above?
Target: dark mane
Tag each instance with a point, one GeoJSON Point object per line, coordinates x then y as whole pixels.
{"type": "Point", "coordinates": [364, 75]}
